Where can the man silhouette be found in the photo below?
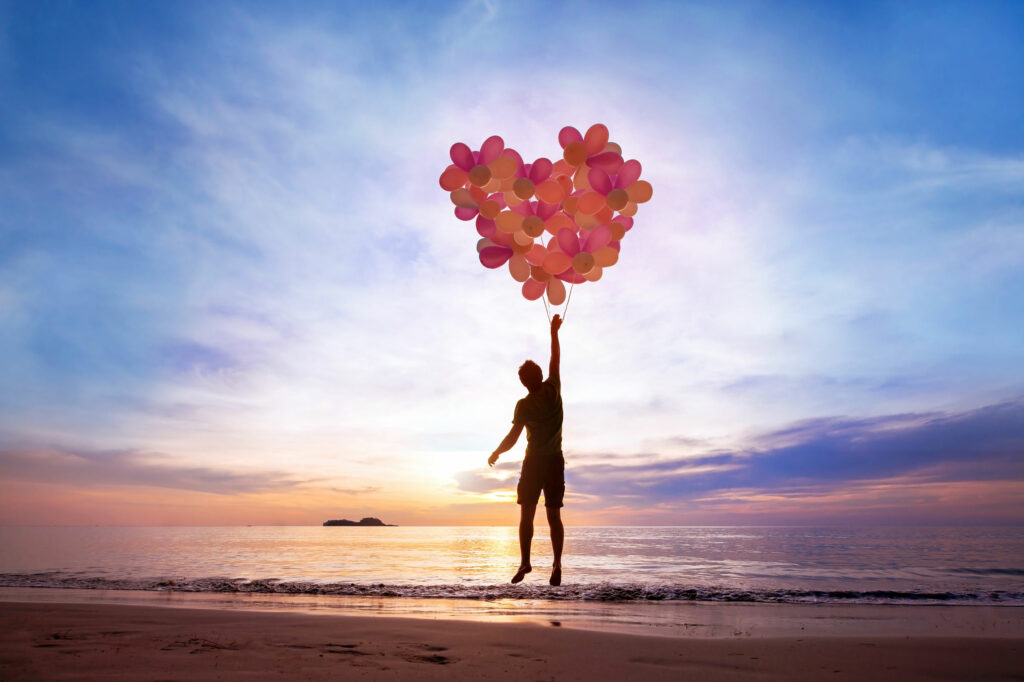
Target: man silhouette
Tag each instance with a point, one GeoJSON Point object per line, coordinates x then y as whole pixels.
{"type": "Point", "coordinates": [544, 467]}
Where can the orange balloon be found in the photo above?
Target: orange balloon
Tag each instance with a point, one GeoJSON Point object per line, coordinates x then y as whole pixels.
{"type": "Point", "coordinates": [617, 199]}
{"type": "Point", "coordinates": [640, 191]}
{"type": "Point", "coordinates": [479, 175]}
{"type": "Point", "coordinates": [533, 226]}
{"type": "Point", "coordinates": [522, 238]}
{"type": "Point", "coordinates": [575, 153]}
{"type": "Point", "coordinates": [479, 196]}
{"type": "Point", "coordinates": [596, 138]}
{"type": "Point", "coordinates": [583, 262]}
{"type": "Point", "coordinates": [508, 221]}
{"type": "Point", "coordinates": [508, 183]}
{"type": "Point", "coordinates": [606, 256]}
{"type": "Point", "coordinates": [523, 188]}
{"type": "Point", "coordinates": [618, 230]}
{"type": "Point", "coordinates": [591, 202]}
{"type": "Point", "coordinates": [539, 273]}
{"type": "Point", "coordinates": [570, 205]}
{"type": "Point", "coordinates": [537, 255]}
{"type": "Point", "coordinates": [566, 182]}
{"type": "Point", "coordinates": [556, 291]}
{"type": "Point", "coordinates": [584, 221]}
{"type": "Point", "coordinates": [629, 211]}
{"type": "Point", "coordinates": [489, 209]}
{"type": "Point", "coordinates": [493, 185]}
{"type": "Point", "coordinates": [550, 192]}
{"type": "Point", "coordinates": [520, 248]}
{"type": "Point", "coordinates": [556, 262]}
{"type": "Point", "coordinates": [503, 167]}
{"type": "Point", "coordinates": [557, 222]}
{"type": "Point", "coordinates": [594, 274]}
{"type": "Point", "coordinates": [463, 199]}
{"type": "Point", "coordinates": [511, 199]}
{"type": "Point", "coordinates": [605, 215]}
{"type": "Point", "coordinates": [582, 178]}
{"type": "Point", "coordinates": [560, 167]}
{"type": "Point", "coordinates": [453, 178]}
{"type": "Point", "coordinates": [519, 268]}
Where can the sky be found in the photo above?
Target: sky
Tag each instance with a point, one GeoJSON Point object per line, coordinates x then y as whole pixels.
{"type": "Point", "coordinates": [233, 292]}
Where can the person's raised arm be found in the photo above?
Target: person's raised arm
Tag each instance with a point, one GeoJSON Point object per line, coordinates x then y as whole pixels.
{"type": "Point", "coordinates": [556, 353]}
{"type": "Point", "coordinates": [506, 445]}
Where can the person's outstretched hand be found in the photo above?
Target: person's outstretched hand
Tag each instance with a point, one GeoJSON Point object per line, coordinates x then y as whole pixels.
{"type": "Point", "coordinates": [556, 322]}
{"type": "Point", "coordinates": [492, 459]}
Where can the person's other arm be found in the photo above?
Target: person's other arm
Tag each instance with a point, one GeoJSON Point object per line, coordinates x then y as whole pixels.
{"type": "Point", "coordinates": [556, 322]}
{"type": "Point", "coordinates": [506, 445]}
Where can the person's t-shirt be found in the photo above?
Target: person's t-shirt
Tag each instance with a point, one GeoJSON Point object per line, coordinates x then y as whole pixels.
{"type": "Point", "coordinates": [541, 413]}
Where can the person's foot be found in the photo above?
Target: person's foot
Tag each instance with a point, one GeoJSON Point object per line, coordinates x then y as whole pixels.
{"type": "Point", "coordinates": [556, 576]}
{"type": "Point", "coordinates": [521, 573]}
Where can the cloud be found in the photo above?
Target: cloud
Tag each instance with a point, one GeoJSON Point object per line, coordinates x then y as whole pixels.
{"type": "Point", "coordinates": [815, 457]}
{"type": "Point", "coordinates": [84, 468]}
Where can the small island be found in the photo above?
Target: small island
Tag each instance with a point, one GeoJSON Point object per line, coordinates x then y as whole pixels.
{"type": "Point", "coordinates": [368, 521]}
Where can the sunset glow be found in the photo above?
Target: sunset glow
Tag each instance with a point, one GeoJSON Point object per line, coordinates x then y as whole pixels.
{"type": "Point", "coordinates": [232, 292]}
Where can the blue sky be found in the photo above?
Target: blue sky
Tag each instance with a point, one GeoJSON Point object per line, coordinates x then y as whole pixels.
{"type": "Point", "coordinates": [227, 270]}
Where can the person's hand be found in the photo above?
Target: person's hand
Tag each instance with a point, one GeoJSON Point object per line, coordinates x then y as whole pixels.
{"type": "Point", "coordinates": [556, 322]}
{"type": "Point", "coordinates": [492, 459]}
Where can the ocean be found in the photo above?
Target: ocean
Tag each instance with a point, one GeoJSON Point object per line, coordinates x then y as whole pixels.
{"type": "Point", "coordinates": [920, 565]}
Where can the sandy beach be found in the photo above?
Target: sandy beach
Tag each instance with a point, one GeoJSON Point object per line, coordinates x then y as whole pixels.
{"type": "Point", "coordinates": [86, 641]}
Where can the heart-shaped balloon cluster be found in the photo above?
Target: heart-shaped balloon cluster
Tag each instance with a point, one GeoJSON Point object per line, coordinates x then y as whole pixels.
{"type": "Point", "coordinates": [551, 222]}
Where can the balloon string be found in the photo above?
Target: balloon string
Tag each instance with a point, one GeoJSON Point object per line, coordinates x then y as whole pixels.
{"type": "Point", "coordinates": [565, 313]}
{"type": "Point", "coordinates": [547, 310]}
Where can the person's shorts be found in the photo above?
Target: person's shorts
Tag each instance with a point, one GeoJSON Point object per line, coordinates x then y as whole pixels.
{"type": "Point", "coordinates": [542, 473]}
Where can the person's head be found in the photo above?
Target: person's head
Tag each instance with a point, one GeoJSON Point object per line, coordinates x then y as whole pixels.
{"type": "Point", "coordinates": [530, 375]}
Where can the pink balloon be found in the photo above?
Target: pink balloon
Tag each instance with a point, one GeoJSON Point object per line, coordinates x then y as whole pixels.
{"type": "Point", "coordinates": [628, 174]}
{"type": "Point", "coordinates": [532, 289]}
{"type": "Point", "coordinates": [556, 262]}
{"type": "Point", "coordinates": [625, 221]}
{"type": "Point", "coordinates": [498, 197]}
{"type": "Point", "coordinates": [491, 149]}
{"type": "Point", "coordinates": [568, 242]}
{"type": "Point", "coordinates": [540, 170]}
{"type": "Point", "coordinates": [522, 209]}
{"type": "Point", "coordinates": [616, 245]}
{"type": "Point", "coordinates": [600, 181]}
{"type": "Point", "coordinates": [568, 135]}
{"type": "Point", "coordinates": [485, 227]}
{"type": "Point", "coordinates": [495, 256]}
{"type": "Point", "coordinates": [466, 213]}
{"type": "Point", "coordinates": [598, 238]}
{"type": "Point", "coordinates": [545, 211]}
{"type": "Point", "coordinates": [462, 156]}
{"type": "Point", "coordinates": [609, 162]}
{"type": "Point", "coordinates": [571, 276]}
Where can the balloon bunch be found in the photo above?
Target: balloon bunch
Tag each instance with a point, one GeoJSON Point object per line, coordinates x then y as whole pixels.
{"type": "Point", "coordinates": [552, 223]}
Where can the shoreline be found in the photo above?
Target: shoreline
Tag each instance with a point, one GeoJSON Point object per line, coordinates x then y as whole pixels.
{"type": "Point", "coordinates": [682, 619]}
{"type": "Point", "coordinates": [56, 640]}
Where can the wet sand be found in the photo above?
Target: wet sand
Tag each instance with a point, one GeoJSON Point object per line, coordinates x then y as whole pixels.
{"type": "Point", "coordinates": [86, 641]}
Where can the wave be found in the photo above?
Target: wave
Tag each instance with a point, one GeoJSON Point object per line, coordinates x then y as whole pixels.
{"type": "Point", "coordinates": [602, 592]}
{"type": "Point", "coordinates": [988, 571]}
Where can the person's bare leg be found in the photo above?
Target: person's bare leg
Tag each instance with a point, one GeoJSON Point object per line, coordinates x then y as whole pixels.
{"type": "Point", "coordinates": [557, 540]}
{"type": "Point", "coordinates": [526, 514]}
